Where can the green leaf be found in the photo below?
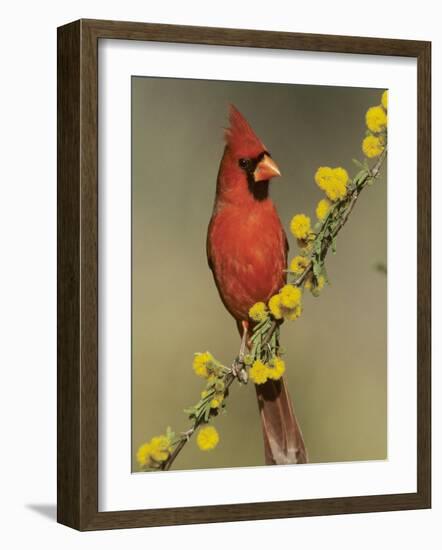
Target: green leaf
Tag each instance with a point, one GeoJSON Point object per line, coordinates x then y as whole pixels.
{"type": "Point", "coordinates": [317, 269]}
{"type": "Point", "coordinates": [360, 177]}
{"type": "Point", "coordinates": [318, 246]}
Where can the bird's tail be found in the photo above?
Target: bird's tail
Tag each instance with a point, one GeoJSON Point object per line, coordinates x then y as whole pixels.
{"type": "Point", "coordinates": [283, 441]}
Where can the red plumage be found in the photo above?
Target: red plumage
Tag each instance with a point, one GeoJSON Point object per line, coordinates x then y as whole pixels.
{"type": "Point", "coordinates": [247, 253]}
{"type": "Point", "coordinates": [246, 243]}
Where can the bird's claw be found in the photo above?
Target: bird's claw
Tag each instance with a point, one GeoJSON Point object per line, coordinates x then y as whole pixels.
{"type": "Point", "coordinates": [243, 376]}
{"type": "Point", "coordinates": [239, 370]}
{"type": "Point", "coordinates": [237, 365]}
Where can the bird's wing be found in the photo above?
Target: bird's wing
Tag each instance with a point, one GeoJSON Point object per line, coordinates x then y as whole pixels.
{"type": "Point", "coordinates": [286, 243]}
{"type": "Point", "coordinates": [208, 244]}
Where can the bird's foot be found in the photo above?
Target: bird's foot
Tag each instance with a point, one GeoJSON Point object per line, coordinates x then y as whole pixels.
{"type": "Point", "coordinates": [239, 370]}
{"type": "Point", "coordinates": [238, 367]}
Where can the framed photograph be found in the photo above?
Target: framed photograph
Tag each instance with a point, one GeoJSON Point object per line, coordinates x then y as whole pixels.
{"type": "Point", "coordinates": [243, 275]}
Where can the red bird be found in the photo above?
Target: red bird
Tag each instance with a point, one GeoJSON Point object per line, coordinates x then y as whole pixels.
{"type": "Point", "coordinates": [247, 253]}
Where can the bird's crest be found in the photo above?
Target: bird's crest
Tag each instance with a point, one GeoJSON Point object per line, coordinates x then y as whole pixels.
{"type": "Point", "coordinates": [240, 137]}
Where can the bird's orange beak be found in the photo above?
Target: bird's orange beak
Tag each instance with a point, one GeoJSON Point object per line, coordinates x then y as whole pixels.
{"type": "Point", "coordinates": [266, 169]}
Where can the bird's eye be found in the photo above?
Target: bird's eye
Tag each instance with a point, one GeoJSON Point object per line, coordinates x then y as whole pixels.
{"type": "Point", "coordinates": [243, 163]}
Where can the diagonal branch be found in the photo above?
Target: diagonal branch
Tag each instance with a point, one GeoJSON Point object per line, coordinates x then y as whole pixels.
{"type": "Point", "coordinates": [351, 200]}
{"type": "Point", "coordinates": [345, 206]}
{"type": "Point", "coordinates": [185, 436]}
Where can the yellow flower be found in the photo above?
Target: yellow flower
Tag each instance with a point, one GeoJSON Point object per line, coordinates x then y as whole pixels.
{"type": "Point", "coordinates": [201, 363]}
{"type": "Point", "coordinates": [287, 303]}
{"type": "Point", "coordinates": [207, 438]}
{"type": "Point", "coordinates": [216, 401]}
{"type": "Point", "coordinates": [323, 176]}
{"type": "Point", "coordinates": [298, 264]}
{"type": "Point", "coordinates": [341, 175]}
{"type": "Point", "coordinates": [219, 386]}
{"type": "Point", "coordinates": [248, 359]}
{"type": "Point", "coordinates": [372, 146]}
{"type": "Point", "coordinates": [300, 226]}
{"type": "Point", "coordinates": [321, 282]}
{"type": "Point", "coordinates": [322, 209]}
{"type": "Point", "coordinates": [143, 454]}
{"type": "Point", "coordinates": [204, 394]}
{"type": "Point", "coordinates": [290, 296]}
{"type": "Point", "coordinates": [333, 181]}
{"type": "Point", "coordinates": [156, 450]}
{"type": "Point", "coordinates": [384, 100]}
{"type": "Point", "coordinates": [160, 448]}
{"type": "Point", "coordinates": [258, 372]}
{"type": "Point", "coordinates": [258, 312]}
{"type": "Point", "coordinates": [293, 313]}
{"type": "Point", "coordinates": [276, 368]}
{"type": "Point", "coordinates": [315, 287]}
{"type": "Point", "coordinates": [275, 306]}
{"type": "Point", "coordinates": [305, 246]}
{"type": "Point", "coordinates": [376, 119]}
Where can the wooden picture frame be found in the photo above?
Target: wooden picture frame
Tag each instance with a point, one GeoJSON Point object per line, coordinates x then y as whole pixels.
{"type": "Point", "coordinates": [77, 461]}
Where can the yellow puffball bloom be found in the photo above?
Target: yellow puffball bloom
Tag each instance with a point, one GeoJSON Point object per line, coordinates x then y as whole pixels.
{"type": "Point", "coordinates": [321, 282]}
{"type": "Point", "coordinates": [201, 363]}
{"type": "Point", "coordinates": [300, 226]}
{"type": "Point", "coordinates": [322, 209]}
{"type": "Point", "coordinates": [143, 454]}
{"type": "Point", "coordinates": [258, 372]}
{"type": "Point", "coordinates": [207, 438]}
{"type": "Point", "coordinates": [372, 146]}
{"type": "Point", "coordinates": [333, 181]}
{"type": "Point", "coordinates": [376, 119]}
{"type": "Point", "coordinates": [336, 191]}
{"type": "Point", "coordinates": [384, 100]}
{"type": "Point", "coordinates": [323, 177]}
{"type": "Point", "coordinates": [298, 264]}
{"type": "Point", "coordinates": [291, 314]}
{"type": "Point", "coordinates": [341, 176]}
{"type": "Point", "coordinates": [216, 401]}
{"type": "Point", "coordinates": [275, 306]}
{"type": "Point", "coordinates": [211, 380]}
{"type": "Point", "coordinates": [276, 368]}
{"type": "Point", "coordinates": [308, 284]}
{"type": "Point", "coordinates": [157, 450]}
{"type": "Point", "coordinates": [258, 312]}
{"type": "Point", "coordinates": [318, 286]}
{"type": "Point", "coordinates": [248, 359]}
{"type": "Point", "coordinates": [160, 448]}
{"type": "Point", "coordinates": [290, 296]}
{"type": "Point", "coordinates": [305, 246]}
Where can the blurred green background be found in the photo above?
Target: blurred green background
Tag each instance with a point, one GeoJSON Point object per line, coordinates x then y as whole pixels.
{"type": "Point", "coordinates": [337, 351]}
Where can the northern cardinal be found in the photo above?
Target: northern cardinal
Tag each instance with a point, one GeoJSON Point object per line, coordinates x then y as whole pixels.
{"type": "Point", "coordinates": [247, 253]}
